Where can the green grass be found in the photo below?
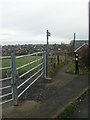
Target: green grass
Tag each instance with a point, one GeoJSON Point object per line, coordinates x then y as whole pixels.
{"type": "Point", "coordinates": [71, 68]}
{"type": "Point", "coordinates": [67, 110]}
{"type": "Point", "coordinates": [20, 62]}
{"type": "Point", "coordinates": [23, 61]}
{"type": "Point", "coordinates": [53, 68]}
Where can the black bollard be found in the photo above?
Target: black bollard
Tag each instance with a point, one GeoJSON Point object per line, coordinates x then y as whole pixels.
{"type": "Point", "coordinates": [58, 59]}
{"type": "Point", "coordinates": [76, 64]}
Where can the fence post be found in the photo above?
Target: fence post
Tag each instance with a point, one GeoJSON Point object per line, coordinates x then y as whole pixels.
{"type": "Point", "coordinates": [14, 78]}
{"type": "Point", "coordinates": [44, 64]}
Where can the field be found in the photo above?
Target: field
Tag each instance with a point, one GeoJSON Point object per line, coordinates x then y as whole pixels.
{"type": "Point", "coordinates": [20, 62]}
{"type": "Point", "coordinates": [23, 61]}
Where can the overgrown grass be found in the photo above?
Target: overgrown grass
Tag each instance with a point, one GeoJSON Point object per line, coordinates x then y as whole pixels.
{"type": "Point", "coordinates": [55, 66]}
{"type": "Point", "coordinates": [71, 67]}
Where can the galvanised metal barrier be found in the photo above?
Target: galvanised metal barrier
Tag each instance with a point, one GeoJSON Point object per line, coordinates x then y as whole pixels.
{"type": "Point", "coordinates": [6, 88]}
{"type": "Point", "coordinates": [20, 83]}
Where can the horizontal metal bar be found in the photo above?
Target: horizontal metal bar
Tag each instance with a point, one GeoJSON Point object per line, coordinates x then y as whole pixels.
{"type": "Point", "coordinates": [5, 68]}
{"type": "Point", "coordinates": [6, 101]}
{"type": "Point", "coordinates": [1, 80]}
{"type": "Point", "coordinates": [6, 95]}
{"type": "Point", "coordinates": [30, 84]}
{"type": "Point", "coordinates": [28, 64]}
{"type": "Point", "coordinates": [30, 70]}
{"type": "Point", "coordinates": [5, 87]}
{"type": "Point", "coordinates": [5, 57]}
{"type": "Point", "coordinates": [29, 78]}
{"type": "Point", "coordinates": [22, 56]}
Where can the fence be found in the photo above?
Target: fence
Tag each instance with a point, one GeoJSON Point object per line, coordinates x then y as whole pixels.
{"type": "Point", "coordinates": [15, 83]}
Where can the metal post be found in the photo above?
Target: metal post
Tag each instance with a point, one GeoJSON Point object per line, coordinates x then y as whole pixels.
{"type": "Point", "coordinates": [14, 79]}
{"type": "Point", "coordinates": [47, 56]}
{"type": "Point", "coordinates": [89, 40]}
{"type": "Point", "coordinates": [44, 64]}
{"type": "Point", "coordinates": [74, 42]}
{"type": "Point", "coordinates": [89, 24]}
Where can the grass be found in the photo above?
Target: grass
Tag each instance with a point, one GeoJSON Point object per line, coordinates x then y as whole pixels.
{"type": "Point", "coordinates": [71, 107]}
{"type": "Point", "coordinates": [20, 62]}
{"type": "Point", "coordinates": [71, 68]}
{"type": "Point", "coordinates": [67, 110]}
{"type": "Point", "coordinates": [55, 67]}
{"type": "Point", "coordinates": [83, 70]}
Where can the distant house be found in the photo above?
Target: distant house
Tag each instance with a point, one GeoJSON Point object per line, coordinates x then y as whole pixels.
{"type": "Point", "coordinates": [81, 48]}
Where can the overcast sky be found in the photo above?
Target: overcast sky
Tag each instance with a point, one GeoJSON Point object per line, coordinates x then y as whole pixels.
{"type": "Point", "coordinates": [26, 21]}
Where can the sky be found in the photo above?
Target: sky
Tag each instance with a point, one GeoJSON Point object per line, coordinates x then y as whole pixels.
{"type": "Point", "coordinates": [26, 21]}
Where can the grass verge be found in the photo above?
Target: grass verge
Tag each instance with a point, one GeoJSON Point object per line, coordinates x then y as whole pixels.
{"type": "Point", "coordinates": [70, 108]}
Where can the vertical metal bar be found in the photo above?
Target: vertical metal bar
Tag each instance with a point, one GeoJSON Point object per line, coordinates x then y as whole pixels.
{"type": "Point", "coordinates": [0, 82]}
{"type": "Point", "coordinates": [47, 53]}
{"type": "Point", "coordinates": [14, 78]}
{"type": "Point", "coordinates": [89, 24]}
{"type": "Point", "coordinates": [74, 42]}
{"type": "Point", "coordinates": [89, 49]}
{"type": "Point", "coordinates": [44, 64]}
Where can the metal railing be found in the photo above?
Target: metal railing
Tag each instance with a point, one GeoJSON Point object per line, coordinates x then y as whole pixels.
{"type": "Point", "coordinates": [17, 84]}
{"type": "Point", "coordinates": [6, 89]}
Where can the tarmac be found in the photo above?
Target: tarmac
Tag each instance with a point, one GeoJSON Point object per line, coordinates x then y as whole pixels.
{"type": "Point", "coordinates": [82, 110]}
{"type": "Point", "coordinates": [62, 89]}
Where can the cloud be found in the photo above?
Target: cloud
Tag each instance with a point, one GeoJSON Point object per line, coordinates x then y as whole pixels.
{"type": "Point", "coordinates": [29, 19]}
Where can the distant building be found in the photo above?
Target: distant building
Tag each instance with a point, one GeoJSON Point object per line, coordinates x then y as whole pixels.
{"type": "Point", "coordinates": [79, 43]}
{"type": "Point", "coordinates": [81, 48]}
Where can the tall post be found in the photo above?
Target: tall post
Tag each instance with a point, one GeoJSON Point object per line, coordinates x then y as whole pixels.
{"type": "Point", "coordinates": [89, 61]}
{"type": "Point", "coordinates": [89, 49]}
{"type": "Point", "coordinates": [89, 39]}
{"type": "Point", "coordinates": [14, 79]}
{"type": "Point", "coordinates": [47, 37]}
{"type": "Point", "coordinates": [74, 42]}
{"type": "Point", "coordinates": [89, 24]}
{"type": "Point", "coordinates": [47, 55]}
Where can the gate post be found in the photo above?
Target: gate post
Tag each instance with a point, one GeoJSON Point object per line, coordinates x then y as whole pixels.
{"type": "Point", "coordinates": [44, 64]}
{"type": "Point", "coordinates": [14, 79]}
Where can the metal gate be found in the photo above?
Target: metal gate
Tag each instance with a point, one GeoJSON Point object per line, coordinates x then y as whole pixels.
{"type": "Point", "coordinates": [15, 83]}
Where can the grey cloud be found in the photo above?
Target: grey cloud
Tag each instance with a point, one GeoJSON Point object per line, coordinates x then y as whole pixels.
{"type": "Point", "coordinates": [61, 17]}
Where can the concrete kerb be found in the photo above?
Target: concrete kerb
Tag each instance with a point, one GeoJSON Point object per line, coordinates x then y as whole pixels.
{"type": "Point", "coordinates": [72, 101]}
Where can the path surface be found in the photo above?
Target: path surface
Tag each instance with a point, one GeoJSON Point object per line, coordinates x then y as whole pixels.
{"type": "Point", "coordinates": [46, 98]}
{"type": "Point", "coordinates": [82, 109]}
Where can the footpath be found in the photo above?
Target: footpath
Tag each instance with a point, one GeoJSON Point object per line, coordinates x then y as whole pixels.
{"type": "Point", "coordinates": [47, 98]}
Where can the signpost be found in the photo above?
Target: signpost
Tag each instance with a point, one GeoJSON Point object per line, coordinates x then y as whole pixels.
{"type": "Point", "coordinates": [47, 53]}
